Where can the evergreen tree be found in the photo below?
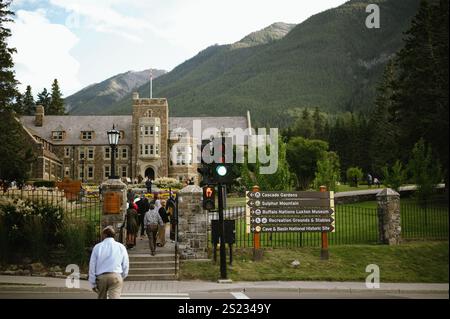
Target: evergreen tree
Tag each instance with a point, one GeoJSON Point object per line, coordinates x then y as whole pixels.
{"type": "Point", "coordinates": [44, 99]}
{"type": "Point", "coordinates": [18, 104]}
{"type": "Point", "coordinates": [318, 124]}
{"type": "Point", "coordinates": [395, 177]}
{"type": "Point", "coordinates": [28, 102]}
{"type": "Point", "coordinates": [8, 83]}
{"type": "Point", "coordinates": [420, 100]}
{"type": "Point", "coordinates": [57, 103]}
{"type": "Point", "coordinates": [425, 171]}
{"type": "Point", "coordinates": [17, 156]}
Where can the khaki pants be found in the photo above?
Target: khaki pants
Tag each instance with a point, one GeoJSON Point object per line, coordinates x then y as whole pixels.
{"type": "Point", "coordinates": [161, 235]}
{"type": "Point", "coordinates": [109, 285]}
{"type": "Point", "coordinates": [152, 239]}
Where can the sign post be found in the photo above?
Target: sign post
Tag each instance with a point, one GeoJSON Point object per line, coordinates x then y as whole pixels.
{"type": "Point", "coordinates": [257, 251]}
{"type": "Point", "coordinates": [324, 247]}
{"type": "Point", "coordinates": [223, 258]}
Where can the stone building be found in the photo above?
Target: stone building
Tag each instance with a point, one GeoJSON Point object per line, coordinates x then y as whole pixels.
{"type": "Point", "coordinates": [151, 144]}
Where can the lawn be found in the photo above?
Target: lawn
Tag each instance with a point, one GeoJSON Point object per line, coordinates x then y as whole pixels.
{"type": "Point", "coordinates": [408, 262]}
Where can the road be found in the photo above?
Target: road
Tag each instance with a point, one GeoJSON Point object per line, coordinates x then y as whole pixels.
{"type": "Point", "coordinates": [226, 295]}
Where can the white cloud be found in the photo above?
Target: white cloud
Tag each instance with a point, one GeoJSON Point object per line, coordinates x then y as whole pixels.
{"type": "Point", "coordinates": [43, 53]}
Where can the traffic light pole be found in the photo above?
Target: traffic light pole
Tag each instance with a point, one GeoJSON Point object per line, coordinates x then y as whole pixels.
{"type": "Point", "coordinates": [223, 260]}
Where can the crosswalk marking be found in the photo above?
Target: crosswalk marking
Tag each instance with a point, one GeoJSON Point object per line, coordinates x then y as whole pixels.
{"type": "Point", "coordinates": [239, 295]}
{"type": "Point", "coordinates": [155, 296]}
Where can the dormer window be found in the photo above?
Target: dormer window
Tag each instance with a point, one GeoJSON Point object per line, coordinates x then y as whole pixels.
{"type": "Point", "coordinates": [87, 135]}
{"type": "Point", "coordinates": [57, 135]}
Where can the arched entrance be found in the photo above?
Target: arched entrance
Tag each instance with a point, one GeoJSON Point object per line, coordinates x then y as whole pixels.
{"type": "Point", "coordinates": [150, 173]}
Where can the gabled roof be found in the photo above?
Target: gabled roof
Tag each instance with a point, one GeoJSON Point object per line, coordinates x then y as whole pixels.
{"type": "Point", "coordinates": [73, 125]}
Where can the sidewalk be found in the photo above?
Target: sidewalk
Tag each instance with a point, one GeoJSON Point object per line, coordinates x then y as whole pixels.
{"type": "Point", "coordinates": [27, 283]}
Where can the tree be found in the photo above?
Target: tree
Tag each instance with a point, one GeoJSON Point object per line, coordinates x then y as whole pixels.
{"type": "Point", "coordinates": [57, 103]}
{"type": "Point", "coordinates": [44, 99]}
{"type": "Point", "coordinates": [8, 83]}
{"type": "Point", "coordinates": [425, 170]}
{"type": "Point", "coordinates": [394, 177]}
{"type": "Point", "coordinates": [420, 100]}
{"type": "Point", "coordinates": [354, 174]}
{"type": "Point", "coordinates": [28, 102]}
{"type": "Point", "coordinates": [302, 155]}
{"type": "Point", "coordinates": [17, 156]}
{"type": "Point", "coordinates": [328, 172]}
{"type": "Point", "coordinates": [281, 179]}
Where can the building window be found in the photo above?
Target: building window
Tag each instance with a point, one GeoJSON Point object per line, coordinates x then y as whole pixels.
{"type": "Point", "coordinates": [66, 171]}
{"type": "Point", "coordinates": [87, 135]}
{"type": "Point", "coordinates": [146, 149]}
{"type": "Point", "coordinates": [124, 153]}
{"type": "Point", "coordinates": [151, 130]}
{"type": "Point", "coordinates": [81, 153]}
{"type": "Point", "coordinates": [57, 135]}
{"type": "Point", "coordinates": [151, 149]}
{"type": "Point", "coordinates": [156, 130]}
{"type": "Point", "coordinates": [106, 171]}
{"type": "Point", "coordinates": [146, 128]}
{"type": "Point", "coordinates": [107, 153]}
{"type": "Point", "coordinates": [140, 149]}
{"type": "Point", "coordinates": [90, 172]}
{"type": "Point", "coordinates": [149, 113]}
{"type": "Point", "coordinates": [156, 149]}
{"type": "Point", "coordinates": [80, 172]}
{"type": "Point", "coordinates": [124, 171]}
{"type": "Point", "coordinates": [66, 151]}
{"type": "Point", "coordinates": [91, 153]}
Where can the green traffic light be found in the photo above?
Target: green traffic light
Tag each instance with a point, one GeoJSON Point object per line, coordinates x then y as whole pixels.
{"type": "Point", "coordinates": [221, 170]}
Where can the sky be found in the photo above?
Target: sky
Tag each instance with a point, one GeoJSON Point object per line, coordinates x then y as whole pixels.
{"type": "Point", "coordinates": [81, 42]}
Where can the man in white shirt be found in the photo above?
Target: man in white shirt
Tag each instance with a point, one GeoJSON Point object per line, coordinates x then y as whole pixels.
{"type": "Point", "coordinates": [108, 266]}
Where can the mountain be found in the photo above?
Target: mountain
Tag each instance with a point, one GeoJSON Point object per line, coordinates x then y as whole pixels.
{"type": "Point", "coordinates": [331, 60]}
{"type": "Point", "coordinates": [94, 98]}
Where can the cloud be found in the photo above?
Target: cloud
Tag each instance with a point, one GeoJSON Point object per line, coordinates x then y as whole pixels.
{"type": "Point", "coordinates": [43, 52]}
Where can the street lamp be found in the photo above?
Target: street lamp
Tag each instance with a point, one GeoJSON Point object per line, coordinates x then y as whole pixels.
{"type": "Point", "coordinates": [113, 139]}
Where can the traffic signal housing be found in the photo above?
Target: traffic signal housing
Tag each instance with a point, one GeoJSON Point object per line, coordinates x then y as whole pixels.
{"type": "Point", "coordinates": [209, 197]}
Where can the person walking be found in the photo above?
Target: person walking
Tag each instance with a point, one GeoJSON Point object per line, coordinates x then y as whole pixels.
{"type": "Point", "coordinates": [151, 221]}
{"type": "Point", "coordinates": [143, 207]}
{"type": "Point", "coordinates": [108, 266]}
{"type": "Point", "coordinates": [132, 224]}
{"type": "Point", "coordinates": [161, 240]}
{"type": "Point", "coordinates": [148, 184]}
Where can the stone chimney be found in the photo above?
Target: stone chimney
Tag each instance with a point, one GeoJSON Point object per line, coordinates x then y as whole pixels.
{"type": "Point", "coordinates": [39, 116]}
{"type": "Point", "coordinates": [135, 95]}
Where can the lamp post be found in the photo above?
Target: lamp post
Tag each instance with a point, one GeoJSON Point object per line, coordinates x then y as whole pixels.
{"type": "Point", "coordinates": [113, 139]}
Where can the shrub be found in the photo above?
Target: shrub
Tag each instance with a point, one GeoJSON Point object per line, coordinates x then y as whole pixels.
{"type": "Point", "coordinates": [74, 234]}
{"type": "Point", "coordinates": [395, 177]}
{"type": "Point", "coordinates": [354, 174]}
{"type": "Point", "coordinates": [167, 182]}
{"type": "Point", "coordinates": [49, 184]}
{"type": "Point", "coordinates": [328, 172]}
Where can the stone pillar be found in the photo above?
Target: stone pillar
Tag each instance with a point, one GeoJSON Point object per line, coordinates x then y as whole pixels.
{"type": "Point", "coordinates": [389, 228]}
{"type": "Point", "coordinates": [192, 223]}
{"type": "Point", "coordinates": [114, 193]}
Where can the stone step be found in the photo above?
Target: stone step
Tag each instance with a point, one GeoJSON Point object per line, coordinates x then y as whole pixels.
{"type": "Point", "coordinates": [148, 257]}
{"type": "Point", "coordinates": [152, 271]}
{"type": "Point", "coordinates": [152, 264]}
{"type": "Point", "coordinates": [151, 277]}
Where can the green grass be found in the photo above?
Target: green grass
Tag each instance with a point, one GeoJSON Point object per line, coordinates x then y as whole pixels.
{"type": "Point", "coordinates": [408, 262]}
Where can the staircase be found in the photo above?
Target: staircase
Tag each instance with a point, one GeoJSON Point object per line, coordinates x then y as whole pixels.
{"type": "Point", "coordinates": [144, 267]}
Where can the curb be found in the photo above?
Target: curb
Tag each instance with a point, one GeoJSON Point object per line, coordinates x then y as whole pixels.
{"type": "Point", "coordinates": [34, 289]}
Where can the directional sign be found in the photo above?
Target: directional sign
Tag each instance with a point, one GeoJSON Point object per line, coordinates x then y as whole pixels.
{"type": "Point", "coordinates": [288, 195]}
{"type": "Point", "coordinates": [284, 229]}
{"type": "Point", "coordinates": [290, 212]}
{"type": "Point", "coordinates": [294, 203]}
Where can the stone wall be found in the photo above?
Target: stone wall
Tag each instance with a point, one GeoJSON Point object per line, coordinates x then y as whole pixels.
{"type": "Point", "coordinates": [192, 224]}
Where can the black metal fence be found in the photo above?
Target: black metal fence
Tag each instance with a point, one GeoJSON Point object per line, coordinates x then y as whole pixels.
{"type": "Point", "coordinates": [354, 225]}
{"type": "Point", "coordinates": [427, 220]}
{"type": "Point", "coordinates": [80, 206]}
